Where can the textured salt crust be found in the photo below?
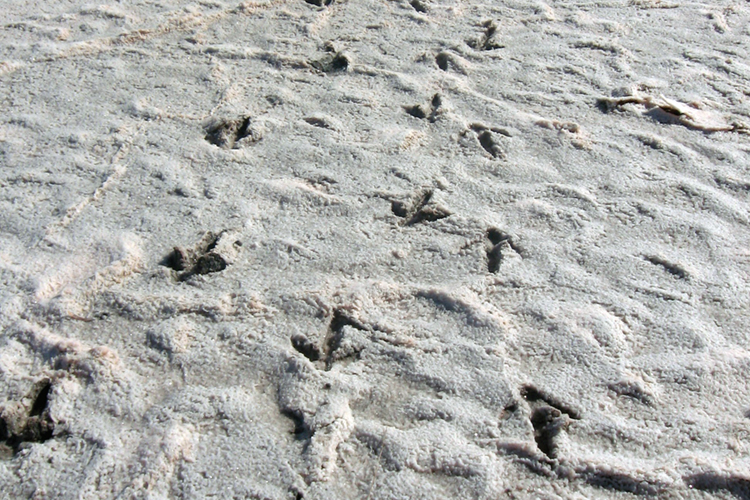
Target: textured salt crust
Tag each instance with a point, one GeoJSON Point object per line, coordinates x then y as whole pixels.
{"type": "Point", "coordinates": [434, 249]}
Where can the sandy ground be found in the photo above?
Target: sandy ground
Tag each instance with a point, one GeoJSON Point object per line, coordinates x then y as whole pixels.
{"type": "Point", "coordinates": [374, 249]}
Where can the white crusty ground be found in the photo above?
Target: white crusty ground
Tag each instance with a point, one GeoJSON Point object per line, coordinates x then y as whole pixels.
{"type": "Point", "coordinates": [602, 145]}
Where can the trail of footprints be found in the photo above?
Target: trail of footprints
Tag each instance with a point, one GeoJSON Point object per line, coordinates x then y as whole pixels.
{"type": "Point", "coordinates": [488, 137]}
{"type": "Point", "coordinates": [548, 416]}
{"type": "Point", "coordinates": [214, 251]}
{"type": "Point", "coordinates": [30, 421]}
{"type": "Point", "coordinates": [346, 337]}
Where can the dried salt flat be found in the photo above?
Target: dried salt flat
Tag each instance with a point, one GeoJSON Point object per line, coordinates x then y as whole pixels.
{"type": "Point", "coordinates": [374, 249]}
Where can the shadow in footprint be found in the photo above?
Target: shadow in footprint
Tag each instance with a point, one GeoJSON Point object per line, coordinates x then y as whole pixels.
{"type": "Point", "coordinates": [420, 208]}
{"type": "Point", "coordinates": [336, 338]}
{"type": "Point", "coordinates": [306, 347]}
{"type": "Point", "coordinates": [713, 482]}
{"type": "Point", "coordinates": [419, 6]}
{"type": "Point", "coordinates": [532, 394]}
{"type": "Point", "coordinates": [339, 343]}
{"type": "Point", "coordinates": [334, 61]}
{"type": "Point", "coordinates": [202, 258]}
{"type": "Point", "coordinates": [671, 268]}
{"type": "Point", "coordinates": [498, 241]}
{"type": "Point", "coordinates": [422, 112]}
{"type": "Point", "coordinates": [487, 40]}
{"type": "Point", "coordinates": [548, 422]}
{"type": "Point", "coordinates": [35, 425]}
{"type": "Point", "coordinates": [488, 139]}
{"type": "Point", "coordinates": [616, 481]}
{"type": "Point", "coordinates": [632, 391]}
{"type": "Point", "coordinates": [228, 133]}
{"type": "Point", "coordinates": [442, 60]}
{"type": "Point", "coordinates": [301, 431]}
{"type": "Point", "coordinates": [549, 417]}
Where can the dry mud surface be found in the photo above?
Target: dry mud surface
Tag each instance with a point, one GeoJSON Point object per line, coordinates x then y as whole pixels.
{"type": "Point", "coordinates": [374, 249]}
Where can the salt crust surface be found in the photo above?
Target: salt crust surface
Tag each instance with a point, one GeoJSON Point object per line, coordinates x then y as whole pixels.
{"type": "Point", "coordinates": [427, 249]}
